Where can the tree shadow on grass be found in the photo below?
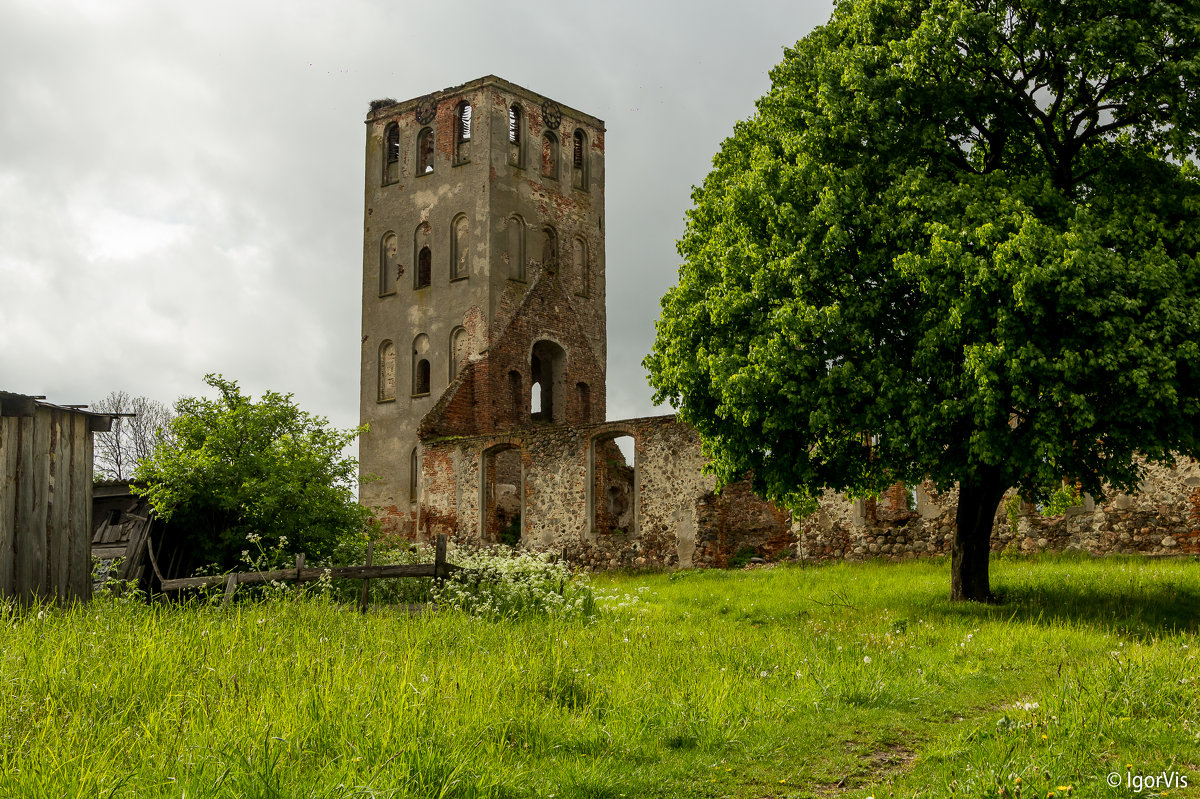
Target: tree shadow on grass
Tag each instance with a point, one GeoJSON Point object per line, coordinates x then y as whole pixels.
{"type": "Point", "coordinates": [1141, 611]}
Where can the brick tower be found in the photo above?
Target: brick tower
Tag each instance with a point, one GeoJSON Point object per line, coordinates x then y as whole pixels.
{"type": "Point", "coordinates": [483, 277]}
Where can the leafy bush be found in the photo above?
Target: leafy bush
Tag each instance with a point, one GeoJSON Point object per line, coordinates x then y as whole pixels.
{"type": "Point", "coordinates": [501, 583]}
{"type": "Point", "coordinates": [232, 467]}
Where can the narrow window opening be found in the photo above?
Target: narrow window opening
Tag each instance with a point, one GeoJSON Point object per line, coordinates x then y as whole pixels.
{"type": "Point", "coordinates": [458, 351]}
{"type": "Point", "coordinates": [414, 476]}
{"type": "Point", "coordinates": [387, 371]}
{"type": "Point", "coordinates": [579, 173]}
{"type": "Point", "coordinates": [391, 153]}
{"type": "Point", "coordinates": [549, 156]}
{"type": "Point", "coordinates": [549, 249]}
{"type": "Point", "coordinates": [389, 263]}
{"type": "Point", "coordinates": [514, 135]}
{"type": "Point", "coordinates": [422, 386]}
{"type": "Point", "coordinates": [459, 248]}
{"type": "Point", "coordinates": [114, 517]}
{"type": "Point", "coordinates": [424, 268]}
{"type": "Point", "coordinates": [462, 133]}
{"type": "Point", "coordinates": [548, 392]}
{"type": "Point", "coordinates": [425, 151]}
{"type": "Point", "coordinates": [516, 248]}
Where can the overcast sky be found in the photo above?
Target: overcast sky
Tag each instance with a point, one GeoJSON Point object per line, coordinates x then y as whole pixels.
{"type": "Point", "coordinates": [181, 182]}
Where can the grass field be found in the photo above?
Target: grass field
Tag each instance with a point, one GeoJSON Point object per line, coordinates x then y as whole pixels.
{"type": "Point", "coordinates": [846, 680]}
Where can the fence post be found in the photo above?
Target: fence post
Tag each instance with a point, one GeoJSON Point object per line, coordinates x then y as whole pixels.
{"type": "Point", "coordinates": [230, 589]}
{"type": "Point", "coordinates": [366, 594]}
{"type": "Point", "coordinates": [299, 566]}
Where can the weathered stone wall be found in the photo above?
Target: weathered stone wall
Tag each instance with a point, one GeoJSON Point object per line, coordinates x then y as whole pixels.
{"type": "Point", "coordinates": [1163, 518]}
{"type": "Point", "coordinates": [676, 519]}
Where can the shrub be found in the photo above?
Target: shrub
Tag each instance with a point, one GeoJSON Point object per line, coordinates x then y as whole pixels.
{"type": "Point", "coordinates": [501, 583]}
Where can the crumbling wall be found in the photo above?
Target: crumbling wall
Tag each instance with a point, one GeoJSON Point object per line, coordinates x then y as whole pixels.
{"type": "Point", "coordinates": [675, 518]}
{"type": "Point", "coordinates": [1162, 518]}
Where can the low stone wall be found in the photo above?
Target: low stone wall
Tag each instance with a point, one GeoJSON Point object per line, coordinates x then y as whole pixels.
{"type": "Point", "coordinates": [1162, 518]}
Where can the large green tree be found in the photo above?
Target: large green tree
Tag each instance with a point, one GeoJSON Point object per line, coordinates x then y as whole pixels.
{"type": "Point", "coordinates": [237, 475]}
{"type": "Point", "coordinates": [964, 231]}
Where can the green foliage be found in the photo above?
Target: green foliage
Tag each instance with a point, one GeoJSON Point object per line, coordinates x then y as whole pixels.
{"type": "Point", "coordinates": [234, 468]}
{"type": "Point", "coordinates": [779, 682]}
{"type": "Point", "coordinates": [1065, 497]}
{"type": "Point", "coordinates": [971, 230]}
{"type": "Point", "coordinates": [742, 557]}
{"type": "Point", "coordinates": [510, 536]}
{"type": "Point", "coordinates": [500, 583]}
{"type": "Point", "coordinates": [1012, 509]}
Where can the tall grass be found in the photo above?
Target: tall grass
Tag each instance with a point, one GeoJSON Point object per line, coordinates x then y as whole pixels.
{"type": "Point", "coordinates": [849, 680]}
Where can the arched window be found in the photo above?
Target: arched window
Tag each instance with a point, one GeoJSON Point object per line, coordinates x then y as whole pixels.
{"type": "Point", "coordinates": [502, 491]}
{"type": "Point", "coordinates": [579, 161]}
{"type": "Point", "coordinates": [389, 263]}
{"type": "Point", "coordinates": [422, 255]}
{"type": "Point", "coordinates": [387, 371]}
{"type": "Point", "coordinates": [414, 476]}
{"type": "Point", "coordinates": [515, 252]}
{"type": "Point", "coordinates": [459, 248]}
{"type": "Point", "coordinates": [550, 156]}
{"type": "Point", "coordinates": [458, 351]}
{"type": "Point", "coordinates": [546, 372]}
{"type": "Point", "coordinates": [514, 135]}
{"type": "Point", "coordinates": [579, 266]}
{"type": "Point", "coordinates": [549, 249]}
{"type": "Point", "coordinates": [425, 151]}
{"type": "Point", "coordinates": [420, 361]}
{"type": "Point", "coordinates": [462, 133]}
{"type": "Point", "coordinates": [391, 153]}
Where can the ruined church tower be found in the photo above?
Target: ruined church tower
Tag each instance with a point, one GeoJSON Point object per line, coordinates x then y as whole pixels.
{"type": "Point", "coordinates": [483, 276]}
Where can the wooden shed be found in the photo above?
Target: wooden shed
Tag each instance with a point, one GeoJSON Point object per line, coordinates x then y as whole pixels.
{"type": "Point", "coordinates": [46, 499]}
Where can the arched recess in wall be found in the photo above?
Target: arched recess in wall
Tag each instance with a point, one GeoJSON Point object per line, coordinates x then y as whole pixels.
{"type": "Point", "coordinates": [387, 371]}
{"type": "Point", "coordinates": [420, 365]}
{"type": "Point", "coordinates": [458, 351]}
{"type": "Point", "coordinates": [613, 484]}
{"type": "Point", "coordinates": [462, 133]}
{"type": "Point", "coordinates": [425, 151]}
{"type": "Point", "coordinates": [389, 263]}
{"type": "Point", "coordinates": [579, 160]}
{"type": "Point", "coordinates": [391, 153]}
{"type": "Point", "coordinates": [549, 155]}
{"type": "Point", "coordinates": [579, 266]}
{"type": "Point", "coordinates": [414, 475]}
{"type": "Point", "coordinates": [515, 246]}
{"type": "Point", "coordinates": [423, 255]}
{"type": "Point", "coordinates": [514, 135]}
{"type": "Point", "coordinates": [460, 248]}
{"type": "Point", "coordinates": [547, 370]}
{"type": "Point", "coordinates": [501, 496]}
{"type": "Point", "coordinates": [549, 249]}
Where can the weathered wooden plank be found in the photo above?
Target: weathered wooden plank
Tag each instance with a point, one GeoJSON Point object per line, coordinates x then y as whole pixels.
{"type": "Point", "coordinates": [439, 556]}
{"type": "Point", "coordinates": [135, 550]}
{"type": "Point", "coordinates": [58, 502]}
{"type": "Point", "coordinates": [366, 583]}
{"type": "Point", "coordinates": [309, 573]}
{"type": "Point", "coordinates": [106, 551]}
{"type": "Point", "coordinates": [31, 510]}
{"type": "Point", "coordinates": [9, 449]}
{"type": "Point", "coordinates": [80, 517]}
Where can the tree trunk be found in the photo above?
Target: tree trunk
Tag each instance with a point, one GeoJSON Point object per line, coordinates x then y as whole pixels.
{"type": "Point", "coordinates": [978, 498]}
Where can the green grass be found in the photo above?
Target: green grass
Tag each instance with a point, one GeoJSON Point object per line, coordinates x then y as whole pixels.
{"type": "Point", "coordinates": [846, 680]}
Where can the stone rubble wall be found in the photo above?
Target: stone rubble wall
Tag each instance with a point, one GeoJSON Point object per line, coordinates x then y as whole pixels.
{"type": "Point", "coordinates": [1162, 518]}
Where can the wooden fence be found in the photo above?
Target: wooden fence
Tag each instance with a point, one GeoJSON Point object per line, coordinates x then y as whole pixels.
{"type": "Point", "coordinates": [438, 570]}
